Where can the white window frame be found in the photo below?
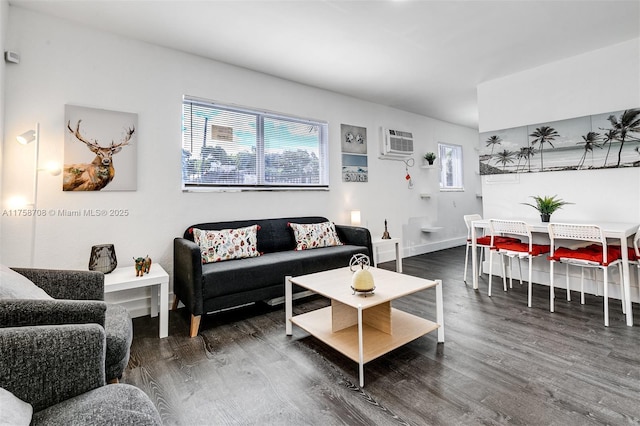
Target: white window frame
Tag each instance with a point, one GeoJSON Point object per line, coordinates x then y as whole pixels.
{"type": "Point", "coordinates": [453, 164]}
{"type": "Point", "coordinates": [261, 185]}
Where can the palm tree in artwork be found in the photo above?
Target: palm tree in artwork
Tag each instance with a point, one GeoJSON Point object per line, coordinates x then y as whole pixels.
{"type": "Point", "coordinates": [492, 142]}
{"type": "Point", "coordinates": [609, 137]}
{"type": "Point", "coordinates": [629, 122]}
{"type": "Point", "coordinates": [504, 158]}
{"type": "Point", "coordinates": [542, 135]}
{"type": "Point", "coordinates": [527, 152]}
{"type": "Point", "coordinates": [520, 155]}
{"type": "Point", "coordinates": [590, 140]}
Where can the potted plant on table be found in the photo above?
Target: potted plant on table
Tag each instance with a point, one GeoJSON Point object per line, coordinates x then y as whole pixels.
{"type": "Point", "coordinates": [546, 205]}
{"type": "Point", "coordinates": [430, 157]}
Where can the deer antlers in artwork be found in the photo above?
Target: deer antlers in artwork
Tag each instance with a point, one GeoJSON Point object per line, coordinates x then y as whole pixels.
{"type": "Point", "coordinates": [95, 175]}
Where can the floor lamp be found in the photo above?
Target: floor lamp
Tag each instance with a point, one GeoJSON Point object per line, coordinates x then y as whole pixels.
{"type": "Point", "coordinates": [25, 139]}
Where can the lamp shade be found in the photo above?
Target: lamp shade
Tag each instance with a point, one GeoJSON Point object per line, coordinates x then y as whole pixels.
{"type": "Point", "coordinates": [355, 217]}
{"type": "Point", "coordinates": [27, 137]}
{"type": "Point", "coordinates": [103, 258]}
{"type": "Point", "coordinates": [53, 168]}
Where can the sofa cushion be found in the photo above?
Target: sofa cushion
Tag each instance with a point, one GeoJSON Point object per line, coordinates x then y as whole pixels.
{"type": "Point", "coordinates": [16, 286]}
{"type": "Point", "coordinates": [14, 411]}
{"type": "Point", "coordinates": [227, 244]}
{"type": "Point", "coordinates": [109, 405]}
{"type": "Point", "coordinates": [236, 276]}
{"type": "Point", "coordinates": [315, 235]}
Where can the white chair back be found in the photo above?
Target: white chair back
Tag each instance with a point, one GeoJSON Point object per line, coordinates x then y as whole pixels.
{"type": "Point", "coordinates": [468, 218]}
{"type": "Point", "coordinates": [517, 227]}
{"type": "Point", "coordinates": [570, 231]}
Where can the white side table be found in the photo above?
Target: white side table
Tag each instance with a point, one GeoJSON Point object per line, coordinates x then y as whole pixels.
{"type": "Point", "coordinates": [377, 242]}
{"type": "Point", "coordinates": [124, 278]}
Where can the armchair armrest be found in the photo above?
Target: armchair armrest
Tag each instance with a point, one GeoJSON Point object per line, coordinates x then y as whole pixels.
{"type": "Point", "coordinates": [31, 312]}
{"type": "Point", "coordinates": [355, 235]}
{"type": "Point", "coordinates": [187, 274]}
{"type": "Point", "coordinates": [66, 284]}
{"type": "Point", "coordinates": [45, 365]}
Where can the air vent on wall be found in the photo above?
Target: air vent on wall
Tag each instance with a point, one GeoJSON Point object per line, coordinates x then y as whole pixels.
{"type": "Point", "coordinates": [396, 144]}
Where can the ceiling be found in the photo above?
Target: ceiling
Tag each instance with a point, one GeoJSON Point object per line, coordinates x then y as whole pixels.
{"type": "Point", "coordinates": [425, 57]}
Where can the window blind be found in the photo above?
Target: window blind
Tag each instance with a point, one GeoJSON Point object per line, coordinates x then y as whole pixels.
{"type": "Point", "coordinates": [237, 147]}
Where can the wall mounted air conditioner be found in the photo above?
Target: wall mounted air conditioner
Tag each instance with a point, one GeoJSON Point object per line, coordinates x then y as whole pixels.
{"type": "Point", "coordinates": [396, 144]}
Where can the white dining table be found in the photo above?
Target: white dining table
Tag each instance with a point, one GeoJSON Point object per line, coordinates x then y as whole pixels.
{"type": "Point", "coordinates": [614, 230]}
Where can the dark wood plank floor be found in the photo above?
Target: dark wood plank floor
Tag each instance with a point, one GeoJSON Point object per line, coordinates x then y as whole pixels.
{"type": "Point", "coordinates": [502, 363]}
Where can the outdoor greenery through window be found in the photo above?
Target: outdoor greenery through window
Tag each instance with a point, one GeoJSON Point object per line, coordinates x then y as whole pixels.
{"type": "Point", "coordinates": [450, 167]}
{"type": "Point", "coordinates": [227, 146]}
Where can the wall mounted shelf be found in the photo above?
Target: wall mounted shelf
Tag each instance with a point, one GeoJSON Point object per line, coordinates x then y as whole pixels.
{"type": "Point", "coordinates": [425, 195]}
{"type": "Point", "coordinates": [431, 228]}
{"type": "Point", "coordinates": [428, 166]}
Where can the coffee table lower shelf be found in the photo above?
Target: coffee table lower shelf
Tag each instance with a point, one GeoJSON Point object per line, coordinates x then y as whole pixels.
{"type": "Point", "coordinates": [405, 328]}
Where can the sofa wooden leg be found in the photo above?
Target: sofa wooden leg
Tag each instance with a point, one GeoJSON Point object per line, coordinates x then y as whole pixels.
{"type": "Point", "coordinates": [175, 303]}
{"type": "Point", "coordinates": [195, 325]}
{"type": "Point", "coordinates": [113, 382]}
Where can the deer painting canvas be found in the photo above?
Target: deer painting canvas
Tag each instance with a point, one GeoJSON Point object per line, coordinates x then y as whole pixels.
{"type": "Point", "coordinates": [100, 150]}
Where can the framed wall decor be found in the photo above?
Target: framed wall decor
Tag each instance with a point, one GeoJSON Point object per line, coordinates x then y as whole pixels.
{"type": "Point", "coordinates": [354, 153]}
{"type": "Point", "coordinates": [608, 140]}
{"type": "Point", "coordinates": [100, 150]}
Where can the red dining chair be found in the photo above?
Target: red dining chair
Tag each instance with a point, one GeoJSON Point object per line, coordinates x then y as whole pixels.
{"type": "Point", "coordinates": [634, 254]}
{"type": "Point", "coordinates": [482, 242]}
{"type": "Point", "coordinates": [596, 255]}
{"type": "Point", "coordinates": [520, 249]}
{"type": "Point", "coordinates": [481, 245]}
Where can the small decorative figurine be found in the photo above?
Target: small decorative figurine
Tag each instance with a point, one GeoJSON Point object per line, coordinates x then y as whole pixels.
{"type": "Point", "coordinates": [362, 279]}
{"type": "Point", "coordinates": [143, 265]}
{"type": "Point", "coordinates": [385, 235]}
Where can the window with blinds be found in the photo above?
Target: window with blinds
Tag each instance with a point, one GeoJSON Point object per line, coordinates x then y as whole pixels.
{"type": "Point", "coordinates": [227, 146]}
{"type": "Point", "coordinates": [450, 167]}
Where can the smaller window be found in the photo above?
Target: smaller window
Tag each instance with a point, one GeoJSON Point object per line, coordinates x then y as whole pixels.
{"type": "Point", "coordinates": [450, 167]}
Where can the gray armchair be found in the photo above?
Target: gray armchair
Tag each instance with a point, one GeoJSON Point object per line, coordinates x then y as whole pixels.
{"type": "Point", "coordinates": [59, 371]}
{"type": "Point", "coordinates": [79, 299]}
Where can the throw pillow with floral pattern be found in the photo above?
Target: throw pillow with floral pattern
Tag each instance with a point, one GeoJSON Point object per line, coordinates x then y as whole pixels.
{"type": "Point", "coordinates": [227, 244]}
{"type": "Point", "coordinates": [315, 235]}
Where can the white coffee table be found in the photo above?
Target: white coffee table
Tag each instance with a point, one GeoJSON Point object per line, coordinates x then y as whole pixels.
{"type": "Point", "coordinates": [124, 278]}
{"type": "Point", "coordinates": [363, 326]}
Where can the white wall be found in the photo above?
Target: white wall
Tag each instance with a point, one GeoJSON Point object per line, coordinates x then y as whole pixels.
{"type": "Point", "coordinates": [601, 81]}
{"type": "Point", "coordinates": [63, 63]}
{"type": "Point", "coordinates": [592, 83]}
{"type": "Point", "coordinates": [4, 19]}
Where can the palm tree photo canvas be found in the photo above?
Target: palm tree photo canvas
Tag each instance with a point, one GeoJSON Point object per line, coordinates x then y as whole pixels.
{"type": "Point", "coordinates": [607, 140]}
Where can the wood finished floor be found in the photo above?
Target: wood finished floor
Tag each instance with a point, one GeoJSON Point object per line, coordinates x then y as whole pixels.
{"type": "Point", "coordinates": [501, 363]}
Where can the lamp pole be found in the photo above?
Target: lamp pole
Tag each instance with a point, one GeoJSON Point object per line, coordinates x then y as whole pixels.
{"type": "Point", "coordinates": [35, 195]}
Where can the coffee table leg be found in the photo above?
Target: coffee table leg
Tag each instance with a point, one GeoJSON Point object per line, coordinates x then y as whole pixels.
{"type": "Point", "coordinates": [288, 304]}
{"type": "Point", "coordinates": [440, 311]}
{"type": "Point", "coordinates": [360, 346]}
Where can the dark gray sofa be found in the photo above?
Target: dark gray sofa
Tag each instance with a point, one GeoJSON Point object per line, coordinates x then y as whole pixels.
{"type": "Point", "coordinates": [214, 286]}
